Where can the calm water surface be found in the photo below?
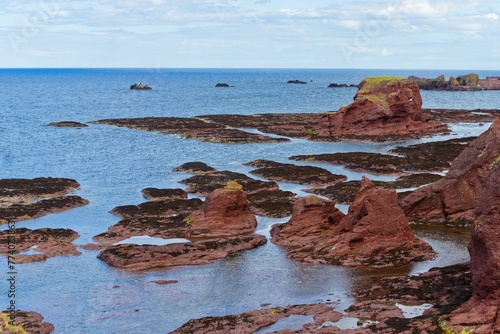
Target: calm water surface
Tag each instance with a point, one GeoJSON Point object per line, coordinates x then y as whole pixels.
{"type": "Point", "coordinates": [82, 294]}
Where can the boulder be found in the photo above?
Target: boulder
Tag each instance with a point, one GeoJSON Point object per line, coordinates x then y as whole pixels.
{"type": "Point", "coordinates": [375, 232]}
{"type": "Point", "coordinates": [225, 212]}
{"type": "Point", "coordinates": [384, 107]}
{"type": "Point", "coordinates": [140, 86]}
{"type": "Point", "coordinates": [482, 311]}
{"type": "Point", "coordinates": [452, 199]}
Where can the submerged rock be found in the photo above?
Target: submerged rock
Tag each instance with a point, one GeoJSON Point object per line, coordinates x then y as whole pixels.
{"type": "Point", "coordinates": [384, 108]}
{"type": "Point", "coordinates": [155, 194]}
{"type": "Point", "coordinates": [297, 82]}
{"type": "Point", "coordinates": [452, 199]}
{"type": "Point", "coordinates": [374, 233]}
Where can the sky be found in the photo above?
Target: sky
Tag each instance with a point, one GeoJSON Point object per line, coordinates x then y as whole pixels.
{"type": "Point", "coordinates": [399, 34]}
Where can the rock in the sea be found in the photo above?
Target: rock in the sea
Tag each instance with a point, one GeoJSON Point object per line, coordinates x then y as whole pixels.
{"type": "Point", "coordinates": [43, 243]}
{"type": "Point", "coordinates": [297, 82]}
{"type": "Point", "coordinates": [68, 124]}
{"type": "Point", "coordinates": [311, 223]}
{"type": "Point", "coordinates": [383, 108]}
{"type": "Point", "coordinates": [223, 85]}
{"type": "Point", "coordinates": [225, 212]}
{"type": "Point", "coordinates": [24, 322]}
{"type": "Point", "coordinates": [482, 311]}
{"type": "Point", "coordinates": [23, 199]}
{"type": "Point", "coordinates": [195, 167]}
{"type": "Point", "coordinates": [144, 257]}
{"type": "Point", "coordinates": [155, 194]}
{"type": "Point", "coordinates": [140, 86]}
{"type": "Point", "coordinates": [375, 232]}
{"type": "Point", "coordinates": [452, 199]}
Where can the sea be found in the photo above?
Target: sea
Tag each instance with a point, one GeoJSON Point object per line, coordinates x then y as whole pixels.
{"type": "Point", "coordinates": [81, 294]}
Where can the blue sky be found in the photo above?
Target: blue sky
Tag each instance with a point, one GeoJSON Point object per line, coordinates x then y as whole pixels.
{"type": "Point", "coordinates": [413, 34]}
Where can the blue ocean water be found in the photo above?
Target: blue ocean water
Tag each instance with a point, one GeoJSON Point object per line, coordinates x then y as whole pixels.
{"type": "Point", "coordinates": [82, 294]}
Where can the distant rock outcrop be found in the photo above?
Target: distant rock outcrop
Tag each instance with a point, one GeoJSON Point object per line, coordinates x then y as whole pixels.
{"type": "Point", "coordinates": [336, 85]}
{"type": "Point", "coordinates": [375, 232]}
{"type": "Point", "coordinates": [384, 107]}
{"type": "Point", "coordinates": [452, 199]}
{"type": "Point", "coordinates": [225, 212]}
{"type": "Point", "coordinates": [223, 85]}
{"type": "Point", "coordinates": [482, 311]}
{"type": "Point", "coordinates": [468, 82]}
{"type": "Point", "coordinates": [297, 82]}
{"type": "Point", "coordinates": [140, 86]}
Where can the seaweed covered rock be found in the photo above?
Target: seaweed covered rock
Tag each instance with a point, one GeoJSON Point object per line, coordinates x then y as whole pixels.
{"type": "Point", "coordinates": [482, 311]}
{"type": "Point", "coordinates": [144, 257]}
{"type": "Point", "coordinates": [225, 212]}
{"type": "Point", "coordinates": [383, 108]}
{"type": "Point", "coordinates": [24, 322]}
{"type": "Point", "coordinates": [375, 232]}
{"type": "Point", "coordinates": [43, 243]}
{"type": "Point", "coordinates": [452, 199]}
{"type": "Point", "coordinates": [23, 199]}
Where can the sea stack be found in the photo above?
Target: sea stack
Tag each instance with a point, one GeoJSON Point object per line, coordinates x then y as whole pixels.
{"type": "Point", "coordinates": [383, 108]}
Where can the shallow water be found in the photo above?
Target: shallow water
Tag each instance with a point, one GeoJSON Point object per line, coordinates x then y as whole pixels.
{"type": "Point", "coordinates": [81, 294]}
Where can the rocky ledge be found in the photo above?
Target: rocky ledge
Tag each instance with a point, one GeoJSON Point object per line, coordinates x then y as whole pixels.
{"type": "Point", "coordinates": [24, 322]}
{"type": "Point", "coordinates": [375, 232]}
{"type": "Point", "coordinates": [377, 309]}
{"type": "Point", "coordinates": [68, 124]}
{"type": "Point", "coordinates": [23, 199]}
{"type": "Point", "coordinates": [222, 225]}
{"type": "Point", "coordinates": [307, 175]}
{"type": "Point", "coordinates": [426, 157]}
{"type": "Point", "coordinates": [468, 82]}
{"type": "Point", "coordinates": [452, 199]}
{"type": "Point", "coordinates": [43, 243]}
{"type": "Point", "coordinates": [192, 128]}
{"type": "Point", "coordinates": [144, 257]}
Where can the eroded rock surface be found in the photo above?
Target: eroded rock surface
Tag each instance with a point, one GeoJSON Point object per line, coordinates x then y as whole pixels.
{"type": "Point", "coordinates": [225, 212]}
{"type": "Point", "coordinates": [68, 124]}
{"type": "Point", "coordinates": [384, 108]}
{"type": "Point", "coordinates": [307, 175]}
{"type": "Point", "coordinates": [192, 128]}
{"type": "Point", "coordinates": [23, 199]}
{"type": "Point", "coordinates": [452, 199]}
{"type": "Point", "coordinates": [29, 322]}
{"type": "Point", "coordinates": [375, 232]}
{"type": "Point", "coordinates": [45, 243]}
{"type": "Point", "coordinates": [482, 311]}
{"type": "Point", "coordinates": [144, 257]}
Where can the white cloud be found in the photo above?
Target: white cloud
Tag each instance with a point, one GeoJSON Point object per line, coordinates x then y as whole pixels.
{"type": "Point", "coordinates": [491, 17]}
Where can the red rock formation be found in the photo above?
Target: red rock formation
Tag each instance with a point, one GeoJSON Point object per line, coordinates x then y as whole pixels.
{"type": "Point", "coordinates": [375, 232]}
{"type": "Point", "coordinates": [312, 221]}
{"type": "Point", "coordinates": [145, 257]}
{"type": "Point", "coordinates": [482, 311]}
{"type": "Point", "coordinates": [225, 212]}
{"type": "Point", "coordinates": [383, 107]}
{"type": "Point", "coordinates": [452, 199]}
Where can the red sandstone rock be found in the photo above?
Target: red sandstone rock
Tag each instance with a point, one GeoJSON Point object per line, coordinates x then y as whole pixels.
{"type": "Point", "coordinates": [225, 212]}
{"type": "Point", "coordinates": [144, 257]}
{"type": "Point", "coordinates": [482, 311]}
{"type": "Point", "coordinates": [312, 221]}
{"type": "Point", "coordinates": [30, 322]}
{"type": "Point", "coordinates": [46, 242]}
{"type": "Point", "coordinates": [452, 199]}
{"type": "Point", "coordinates": [387, 107]}
{"type": "Point", "coordinates": [375, 232]}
